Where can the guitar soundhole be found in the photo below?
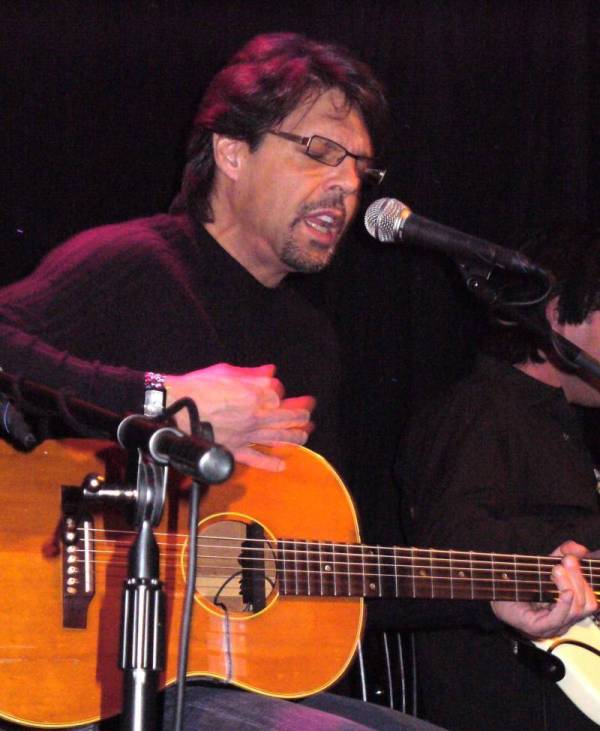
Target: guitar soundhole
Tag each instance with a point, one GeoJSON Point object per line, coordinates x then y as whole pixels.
{"type": "Point", "coordinates": [236, 566]}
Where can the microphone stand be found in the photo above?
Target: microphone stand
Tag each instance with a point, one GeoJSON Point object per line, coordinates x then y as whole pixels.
{"type": "Point", "coordinates": [478, 282]}
{"type": "Point", "coordinates": [143, 610]}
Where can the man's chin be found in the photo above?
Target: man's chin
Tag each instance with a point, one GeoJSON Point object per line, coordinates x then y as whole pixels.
{"type": "Point", "coordinates": [316, 258]}
{"type": "Point", "coordinates": [308, 265]}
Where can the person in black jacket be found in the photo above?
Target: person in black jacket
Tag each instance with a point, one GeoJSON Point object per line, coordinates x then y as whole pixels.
{"type": "Point", "coordinates": [501, 465]}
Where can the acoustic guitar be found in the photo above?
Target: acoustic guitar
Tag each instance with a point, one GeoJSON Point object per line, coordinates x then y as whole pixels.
{"type": "Point", "coordinates": [281, 576]}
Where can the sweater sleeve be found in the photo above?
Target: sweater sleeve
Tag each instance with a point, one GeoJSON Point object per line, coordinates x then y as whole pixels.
{"type": "Point", "coordinates": [26, 355]}
{"type": "Point", "coordinates": [48, 321]}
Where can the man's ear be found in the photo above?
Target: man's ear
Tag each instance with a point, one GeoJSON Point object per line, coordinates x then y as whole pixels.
{"type": "Point", "coordinates": [552, 313]}
{"type": "Point", "coordinates": [229, 155]}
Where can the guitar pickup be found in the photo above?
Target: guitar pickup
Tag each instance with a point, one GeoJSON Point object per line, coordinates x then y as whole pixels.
{"type": "Point", "coordinates": [252, 561]}
{"type": "Point", "coordinates": [78, 580]}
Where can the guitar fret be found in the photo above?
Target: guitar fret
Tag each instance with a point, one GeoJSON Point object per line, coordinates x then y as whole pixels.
{"type": "Point", "coordinates": [296, 568]}
{"type": "Point", "coordinates": [307, 574]}
{"type": "Point", "coordinates": [421, 574]}
{"type": "Point", "coordinates": [310, 569]}
{"type": "Point", "coordinates": [373, 578]}
{"type": "Point", "coordinates": [327, 568]}
{"type": "Point", "coordinates": [505, 586]}
{"type": "Point", "coordinates": [443, 575]}
{"type": "Point", "coordinates": [334, 564]}
{"type": "Point", "coordinates": [328, 577]}
{"type": "Point", "coordinates": [386, 575]}
{"type": "Point", "coordinates": [282, 567]}
{"type": "Point", "coordinates": [347, 562]}
{"type": "Point", "coordinates": [321, 569]}
{"type": "Point", "coordinates": [539, 576]}
{"type": "Point", "coordinates": [281, 563]}
{"type": "Point", "coordinates": [364, 573]}
{"type": "Point", "coordinates": [493, 579]}
{"type": "Point", "coordinates": [516, 579]}
{"type": "Point", "coordinates": [463, 584]}
{"type": "Point", "coordinates": [395, 555]}
{"type": "Point", "coordinates": [314, 557]}
{"type": "Point", "coordinates": [432, 590]}
{"type": "Point", "coordinates": [471, 587]}
{"type": "Point", "coordinates": [316, 566]}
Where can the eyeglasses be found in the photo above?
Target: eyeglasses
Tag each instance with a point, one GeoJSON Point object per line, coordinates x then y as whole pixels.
{"type": "Point", "coordinates": [331, 153]}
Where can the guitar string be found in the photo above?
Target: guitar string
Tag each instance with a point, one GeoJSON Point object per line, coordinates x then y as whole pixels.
{"type": "Point", "coordinates": [120, 552]}
{"type": "Point", "coordinates": [360, 549]}
{"type": "Point", "coordinates": [353, 585]}
{"type": "Point", "coordinates": [350, 578]}
{"type": "Point", "coordinates": [454, 558]}
{"type": "Point", "coordinates": [442, 581]}
{"type": "Point", "coordinates": [425, 580]}
{"type": "Point", "coordinates": [349, 569]}
{"type": "Point", "coordinates": [422, 562]}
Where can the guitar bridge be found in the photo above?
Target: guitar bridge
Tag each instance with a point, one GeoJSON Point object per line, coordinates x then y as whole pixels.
{"type": "Point", "coordinates": [78, 584]}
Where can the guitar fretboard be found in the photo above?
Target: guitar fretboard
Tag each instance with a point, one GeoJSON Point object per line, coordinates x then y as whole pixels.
{"type": "Point", "coordinates": [316, 568]}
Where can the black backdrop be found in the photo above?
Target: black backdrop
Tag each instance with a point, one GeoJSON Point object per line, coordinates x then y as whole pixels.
{"type": "Point", "coordinates": [496, 110]}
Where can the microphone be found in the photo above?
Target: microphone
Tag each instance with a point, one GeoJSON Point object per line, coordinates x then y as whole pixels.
{"type": "Point", "coordinates": [389, 220]}
{"type": "Point", "coordinates": [192, 455]}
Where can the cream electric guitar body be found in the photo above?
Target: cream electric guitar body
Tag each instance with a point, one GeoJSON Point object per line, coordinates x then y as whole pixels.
{"type": "Point", "coordinates": [579, 651]}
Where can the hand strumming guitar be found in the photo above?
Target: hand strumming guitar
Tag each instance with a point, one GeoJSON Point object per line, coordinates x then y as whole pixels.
{"type": "Point", "coordinates": [245, 406]}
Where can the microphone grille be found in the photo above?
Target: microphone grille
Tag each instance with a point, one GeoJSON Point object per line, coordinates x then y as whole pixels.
{"type": "Point", "coordinates": [383, 217]}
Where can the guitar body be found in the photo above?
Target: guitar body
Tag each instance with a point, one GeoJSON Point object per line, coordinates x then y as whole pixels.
{"type": "Point", "coordinates": [579, 650]}
{"type": "Point", "coordinates": [56, 676]}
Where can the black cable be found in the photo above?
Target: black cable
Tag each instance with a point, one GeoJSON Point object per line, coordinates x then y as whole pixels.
{"type": "Point", "coordinates": [70, 420]}
{"type": "Point", "coordinates": [186, 617]}
{"type": "Point", "coordinates": [216, 600]}
{"type": "Point", "coordinates": [192, 409]}
{"type": "Point", "coordinates": [575, 643]}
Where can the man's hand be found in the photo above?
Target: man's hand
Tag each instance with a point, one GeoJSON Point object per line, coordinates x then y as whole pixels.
{"type": "Point", "coordinates": [245, 406]}
{"type": "Point", "coordinates": [576, 599]}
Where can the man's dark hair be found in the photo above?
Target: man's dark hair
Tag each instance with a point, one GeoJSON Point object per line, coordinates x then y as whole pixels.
{"type": "Point", "coordinates": [572, 253]}
{"type": "Point", "coordinates": [263, 83]}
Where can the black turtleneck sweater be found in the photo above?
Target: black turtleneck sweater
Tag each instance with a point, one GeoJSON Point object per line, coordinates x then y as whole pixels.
{"type": "Point", "coordinates": [161, 294]}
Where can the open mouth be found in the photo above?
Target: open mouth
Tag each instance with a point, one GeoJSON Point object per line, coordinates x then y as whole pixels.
{"type": "Point", "coordinates": [325, 225]}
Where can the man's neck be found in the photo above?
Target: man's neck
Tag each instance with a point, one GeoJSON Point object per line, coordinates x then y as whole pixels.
{"type": "Point", "coordinates": [544, 372]}
{"type": "Point", "coordinates": [246, 253]}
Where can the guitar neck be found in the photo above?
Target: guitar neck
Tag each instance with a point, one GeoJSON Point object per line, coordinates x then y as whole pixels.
{"type": "Point", "coordinates": [315, 568]}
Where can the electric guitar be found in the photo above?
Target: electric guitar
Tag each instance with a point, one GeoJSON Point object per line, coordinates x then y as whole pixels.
{"type": "Point", "coordinates": [279, 587]}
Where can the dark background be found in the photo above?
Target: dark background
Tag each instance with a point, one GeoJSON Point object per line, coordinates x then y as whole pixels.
{"type": "Point", "coordinates": [495, 109]}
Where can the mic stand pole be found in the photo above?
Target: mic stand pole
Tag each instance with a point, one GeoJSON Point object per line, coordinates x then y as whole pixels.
{"type": "Point", "coordinates": [143, 608]}
{"type": "Point", "coordinates": [143, 625]}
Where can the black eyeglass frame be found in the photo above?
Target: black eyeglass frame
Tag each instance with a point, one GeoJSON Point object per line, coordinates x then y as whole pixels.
{"type": "Point", "coordinates": [371, 175]}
